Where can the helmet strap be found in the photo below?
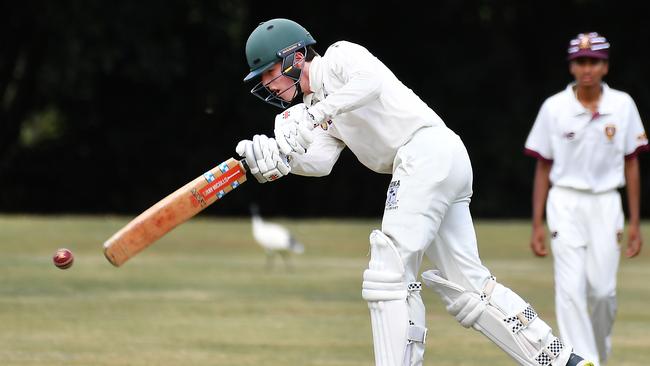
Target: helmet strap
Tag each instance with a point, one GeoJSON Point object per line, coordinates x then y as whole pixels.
{"type": "Point", "coordinates": [290, 70]}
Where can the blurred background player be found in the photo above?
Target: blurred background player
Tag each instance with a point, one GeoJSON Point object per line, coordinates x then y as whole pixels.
{"type": "Point", "coordinates": [586, 140]}
{"type": "Point", "coordinates": [357, 102]}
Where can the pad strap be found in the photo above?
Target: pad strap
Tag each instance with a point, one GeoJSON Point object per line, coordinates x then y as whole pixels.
{"type": "Point", "coordinates": [516, 322]}
{"type": "Point", "coordinates": [550, 352]}
{"type": "Point", "coordinates": [416, 333]}
{"type": "Point", "coordinates": [489, 287]}
{"type": "Point", "coordinates": [414, 287]}
{"type": "Point", "coordinates": [520, 321]}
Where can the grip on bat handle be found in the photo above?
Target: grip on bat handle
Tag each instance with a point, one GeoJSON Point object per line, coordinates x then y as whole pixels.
{"type": "Point", "coordinates": [244, 165]}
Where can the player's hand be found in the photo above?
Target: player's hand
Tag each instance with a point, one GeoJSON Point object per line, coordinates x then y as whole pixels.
{"type": "Point", "coordinates": [634, 241]}
{"type": "Point", "coordinates": [263, 158]}
{"type": "Point", "coordinates": [293, 129]}
{"type": "Point", "coordinates": [537, 241]}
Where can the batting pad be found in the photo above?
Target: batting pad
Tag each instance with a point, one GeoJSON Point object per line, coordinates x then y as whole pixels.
{"type": "Point", "coordinates": [386, 292]}
{"type": "Point", "coordinates": [505, 318]}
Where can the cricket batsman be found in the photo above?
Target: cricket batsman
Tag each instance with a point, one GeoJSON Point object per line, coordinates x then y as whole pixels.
{"type": "Point", "coordinates": [351, 99]}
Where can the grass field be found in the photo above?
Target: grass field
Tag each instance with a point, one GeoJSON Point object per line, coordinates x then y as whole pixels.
{"type": "Point", "coordinates": [202, 296]}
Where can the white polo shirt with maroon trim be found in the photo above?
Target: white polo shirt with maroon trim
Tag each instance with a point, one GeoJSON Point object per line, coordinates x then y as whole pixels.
{"type": "Point", "coordinates": [587, 150]}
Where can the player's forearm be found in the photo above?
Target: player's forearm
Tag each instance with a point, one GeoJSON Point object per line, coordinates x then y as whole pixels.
{"type": "Point", "coordinates": [316, 162]}
{"type": "Point", "coordinates": [540, 191]}
{"type": "Point", "coordinates": [633, 184]}
{"type": "Point", "coordinates": [311, 168]}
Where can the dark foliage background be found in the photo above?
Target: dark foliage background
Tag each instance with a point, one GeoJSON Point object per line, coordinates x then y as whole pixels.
{"type": "Point", "coordinates": [107, 106]}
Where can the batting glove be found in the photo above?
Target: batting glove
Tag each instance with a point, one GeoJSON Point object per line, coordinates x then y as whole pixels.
{"type": "Point", "coordinates": [293, 129]}
{"type": "Point", "coordinates": [263, 158]}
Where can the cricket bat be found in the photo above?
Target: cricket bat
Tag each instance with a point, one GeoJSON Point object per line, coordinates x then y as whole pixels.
{"type": "Point", "coordinates": [173, 210]}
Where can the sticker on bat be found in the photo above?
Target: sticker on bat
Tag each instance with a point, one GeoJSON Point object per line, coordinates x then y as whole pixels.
{"type": "Point", "coordinates": [224, 180]}
{"type": "Point", "coordinates": [209, 177]}
{"type": "Point", "coordinates": [197, 199]}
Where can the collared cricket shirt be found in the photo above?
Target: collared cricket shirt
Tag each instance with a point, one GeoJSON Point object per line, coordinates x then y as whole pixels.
{"type": "Point", "coordinates": [587, 150]}
{"type": "Point", "coordinates": [363, 106]}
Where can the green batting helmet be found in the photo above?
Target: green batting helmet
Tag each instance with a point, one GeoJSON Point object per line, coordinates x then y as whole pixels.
{"type": "Point", "coordinates": [271, 41]}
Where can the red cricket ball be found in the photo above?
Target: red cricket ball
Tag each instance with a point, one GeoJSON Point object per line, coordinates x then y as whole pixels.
{"type": "Point", "coordinates": [63, 258]}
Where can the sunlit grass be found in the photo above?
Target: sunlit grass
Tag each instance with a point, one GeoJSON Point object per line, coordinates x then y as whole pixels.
{"type": "Point", "coordinates": [202, 296]}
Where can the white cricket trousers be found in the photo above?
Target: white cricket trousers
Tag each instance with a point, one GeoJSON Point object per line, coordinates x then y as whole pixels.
{"type": "Point", "coordinates": [429, 212]}
{"type": "Point", "coordinates": [585, 231]}
{"type": "Point", "coordinates": [435, 185]}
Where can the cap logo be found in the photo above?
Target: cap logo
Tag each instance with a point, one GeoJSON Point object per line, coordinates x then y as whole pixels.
{"type": "Point", "coordinates": [290, 49]}
{"type": "Point", "coordinates": [588, 45]}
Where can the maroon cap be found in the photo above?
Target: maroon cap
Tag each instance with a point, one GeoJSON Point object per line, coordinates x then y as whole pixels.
{"type": "Point", "coordinates": [588, 45]}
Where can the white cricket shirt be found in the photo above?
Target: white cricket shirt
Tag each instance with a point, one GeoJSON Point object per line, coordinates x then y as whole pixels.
{"type": "Point", "coordinates": [587, 151]}
{"type": "Point", "coordinates": [369, 110]}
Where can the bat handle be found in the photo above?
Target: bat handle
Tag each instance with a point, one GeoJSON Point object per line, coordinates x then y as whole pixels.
{"type": "Point", "coordinates": [244, 165]}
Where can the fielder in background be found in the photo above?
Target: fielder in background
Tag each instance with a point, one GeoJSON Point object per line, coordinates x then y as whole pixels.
{"type": "Point", "coordinates": [586, 140]}
{"type": "Point", "coordinates": [355, 101]}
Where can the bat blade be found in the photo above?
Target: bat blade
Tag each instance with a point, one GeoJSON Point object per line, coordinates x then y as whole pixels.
{"type": "Point", "coordinates": [173, 210]}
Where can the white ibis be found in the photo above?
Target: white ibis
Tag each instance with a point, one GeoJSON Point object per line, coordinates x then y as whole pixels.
{"type": "Point", "coordinates": [274, 238]}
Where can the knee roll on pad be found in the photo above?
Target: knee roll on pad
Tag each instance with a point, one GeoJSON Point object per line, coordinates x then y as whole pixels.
{"type": "Point", "coordinates": [504, 318]}
{"type": "Point", "coordinates": [386, 291]}
{"type": "Point", "coordinates": [383, 286]}
{"type": "Point", "coordinates": [384, 278]}
{"type": "Point", "coordinates": [467, 308]}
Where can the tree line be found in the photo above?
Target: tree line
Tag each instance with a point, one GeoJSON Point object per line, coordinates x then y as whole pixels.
{"type": "Point", "coordinates": [105, 107]}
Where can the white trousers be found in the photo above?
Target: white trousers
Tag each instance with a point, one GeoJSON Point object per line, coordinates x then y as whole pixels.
{"type": "Point", "coordinates": [427, 213]}
{"type": "Point", "coordinates": [585, 230]}
{"type": "Point", "coordinates": [431, 205]}
{"type": "Point", "coordinates": [428, 203]}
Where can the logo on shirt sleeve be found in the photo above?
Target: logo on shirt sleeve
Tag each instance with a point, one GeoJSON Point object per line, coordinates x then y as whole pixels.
{"type": "Point", "coordinates": [642, 138]}
{"type": "Point", "coordinates": [610, 131]}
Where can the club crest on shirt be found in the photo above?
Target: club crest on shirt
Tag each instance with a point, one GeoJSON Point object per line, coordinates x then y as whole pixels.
{"type": "Point", "coordinates": [391, 195]}
{"type": "Point", "coordinates": [610, 131]}
{"type": "Point", "coordinates": [619, 236]}
{"type": "Point", "coordinates": [554, 234]}
{"type": "Point", "coordinates": [570, 135]}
